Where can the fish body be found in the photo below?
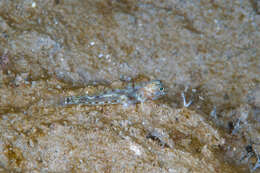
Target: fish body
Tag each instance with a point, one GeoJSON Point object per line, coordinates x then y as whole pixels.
{"type": "Point", "coordinates": [145, 91]}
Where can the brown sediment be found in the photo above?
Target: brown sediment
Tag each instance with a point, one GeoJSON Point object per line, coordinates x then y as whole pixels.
{"type": "Point", "coordinates": [206, 50]}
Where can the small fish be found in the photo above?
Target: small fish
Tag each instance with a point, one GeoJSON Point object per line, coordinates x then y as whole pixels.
{"type": "Point", "coordinates": [138, 94]}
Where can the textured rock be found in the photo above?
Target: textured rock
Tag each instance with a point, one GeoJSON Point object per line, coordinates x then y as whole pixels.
{"type": "Point", "coordinates": [207, 51]}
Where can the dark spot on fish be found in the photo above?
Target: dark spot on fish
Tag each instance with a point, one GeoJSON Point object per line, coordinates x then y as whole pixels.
{"type": "Point", "coordinates": [67, 100]}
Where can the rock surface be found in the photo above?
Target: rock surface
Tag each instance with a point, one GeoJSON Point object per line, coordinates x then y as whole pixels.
{"type": "Point", "coordinates": [204, 51]}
